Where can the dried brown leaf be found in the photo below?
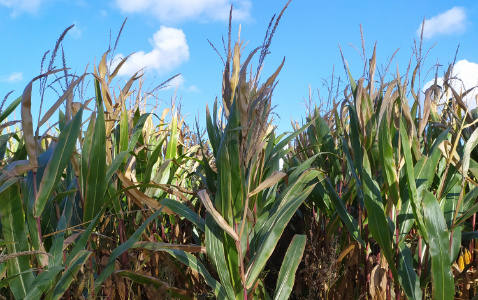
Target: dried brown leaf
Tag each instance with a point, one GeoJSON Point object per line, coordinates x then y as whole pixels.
{"type": "Point", "coordinates": [216, 215]}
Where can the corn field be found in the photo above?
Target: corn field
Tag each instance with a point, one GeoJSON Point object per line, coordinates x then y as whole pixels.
{"type": "Point", "coordinates": [372, 197]}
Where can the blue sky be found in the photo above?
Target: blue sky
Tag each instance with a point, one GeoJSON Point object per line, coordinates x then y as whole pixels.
{"type": "Point", "coordinates": [170, 37]}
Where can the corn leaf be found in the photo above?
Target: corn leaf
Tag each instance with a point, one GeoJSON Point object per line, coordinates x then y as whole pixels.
{"type": "Point", "coordinates": [56, 249]}
{"type": "Point", "coordinates": [156, 246]}
{"type": "Point", "coordinates": [215, 251]}
{"type": "Point", "coordinates": [155, 282]}
{"type": "Point", "coordinates": [27, 122]}
{"type": "Point", "coordinates": [292, 258]}
{"type": "Point", "coordinates": [137, 131]}
{"type": "Point", "coordinates": [61, 156]}
{"type": "Point", "coordinates": [42, 282]}
{"type": "Point", "coordinates": [10, 108]}
{"type": "Point", "coordinates": [96, 173]}
{"type": "Point", "coordinates": [13, 229]}
{"type": "Point", "coordinates": [194, 263]}
{"type": "Point", "coordinates": [216, 215]}
{"type": "Point", "coordinates": [412, 188]}
{"type": "Point", "coordinates": [439, 241]}
{"type": "Point", "coordinates": [185, 212]}
{"type": "Point", "coordinates": [272, 234]}
{"type": "Point", "coordinates": [377, 221]}
{"type": "Point", "coordinates": [339, 205]}
{"type": "Point", "coordinates": [110, 265]}
{"type": "Point", "coordinates": [69, 275]}
{"type": "Point", "coordinates": [407, 277]}
{"type": "Point", "coordinates": [387, 160]}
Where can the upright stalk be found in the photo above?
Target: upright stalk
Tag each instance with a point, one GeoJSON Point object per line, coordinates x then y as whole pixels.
{"type": "Point", "coordinates": [397, 287]}
{"type": "Point", "coordinates": [472, 244]}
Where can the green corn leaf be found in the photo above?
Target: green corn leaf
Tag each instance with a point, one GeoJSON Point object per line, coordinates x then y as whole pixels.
{"type": "Point", "coordinates": [358, 182]}
{"type": "Point", "coordinates": [42, 282]}
{"type": "Point", "coordinates": [61, 156]}
{"type": "Point", "coordinates": [272, 234]}
{"type": "Point", "coordinates": [469, 146]}
{"type": "Point", "coordinates": [339, 205]}
{"type": "Point", "coordinates": [171, 149]}
{"type": "Point", "coordinates": [407, 277]}
{"type": "Point", "coordinates": [471, 196]}
{"type": "Point", "coordinates": [85, 153]}
{"type": "Point", "coordinates": [184, 212]}
{"type": "Point", "coordinates": [13, 229]}
{"type": "Point", "coordinates": [224, 193]}
{"type": "Point", "coordinates": [377, 221]}
{"type": "Point", "coordinates": [5, 282]}
{"type": "Point", "coordinates": [110, 265]}
{"type": "Point", "coordinates": [141, 162]}
{"type": "Point", "coordinates": [449, 205]}
{"type": "Point", "coordinates": [29, 201]}
{"type": "Point", "coordinates": [210, 174]}
{"type": "Point", "coordinates": [212, 130]}
{"type": "Point", "coordinates": [292, 258]}
{"type": "Point", "coordinates": [215, 251]}
{"type": "Point", "coordinates": [158, 246]}
{"type": "Point", "coordinates": [412, 188]}
{"type": "Point", "coordinates": [355, 140]}
{"type": "Point", "coordinates": [455, 244]}
{"type": "Point", "coordinates": [237, 183]}
{"type": "Point", "coordinates": [96, 173]}
{"type": "Point", "coordinates": [69, 275]}
{"type": "Point", "coordinates": [302, 167]}
{"type": "Point", "coordinates": [266, 219]}
{"type": "Point", "coordinates": [10, 109]}
{"type": "Point", "coordinates": [280, 146]}
{"type": "Point", "coordinates": [353, 84]}
{"type": "Point", "coordinates": [439, 242]}
{"type": "Point", "coordinates": [194, 263]}
{"type": "Point", "coordinates": [84, 238]}
{"type": "Point", "coordinates": [56, 249]}
{"type": "Point", "coordinates": [137, 131]}
{"type": "Point", "coordinates": [156, 283]}
{"type": "Point", "coordinates": [152, 159]}
{"type": "Point", "coordinates": [387, 160]}
{"type": "Point", "coordinates": [124, 131]}
{"type": "Point", "coordinates": [116, 164]}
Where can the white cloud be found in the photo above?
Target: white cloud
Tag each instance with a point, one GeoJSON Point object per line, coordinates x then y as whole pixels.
{"type": "Point", "coordinates": [450, 22]}
{"type": "Point", "coordinates": [14, 77]}
{"type": "Point", "coordinates": [173, 11]}
{"type": "Point", "coordinates": [20, 6]}
{"type": "Point", "coordinates": [170, 49]}
{"type": "Point", "coordinates": [466, 74]}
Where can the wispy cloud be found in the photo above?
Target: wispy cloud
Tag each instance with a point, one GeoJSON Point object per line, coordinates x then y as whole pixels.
{"type": "Point", "coordinates": [13, 77]}
{"type": "Point", "coordinates": [466, 77]}
{"type": "Point", "coordinates": [193, 89]}
{"type": "Point", "coordinates": [452, 21]}
{"type": "Point", "coordinates": [176, 83]}
{"type": "Point", "coordinates": [20, 6]}
{"type": "Point", "coordinates": [170, 49]}
{"type": "Point", "coordinates": [169, 11]}
{"type": "Point", "coordinates": [76, 31]}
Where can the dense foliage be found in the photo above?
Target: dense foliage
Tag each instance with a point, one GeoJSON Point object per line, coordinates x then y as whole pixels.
{"type": "Point", "coordinates": [376, 197]}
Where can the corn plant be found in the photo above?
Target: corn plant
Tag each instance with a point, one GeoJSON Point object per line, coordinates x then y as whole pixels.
{"type": "Point", "coordinates": [53, 186]}
{"type": "Point", "coordinates": [396, 179]}
{"type": "Point", "coordinates": [245, 215]}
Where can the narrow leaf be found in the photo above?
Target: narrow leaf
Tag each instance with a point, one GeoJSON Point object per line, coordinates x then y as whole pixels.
{"type": "Point", "coordinates": [292, 258]}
